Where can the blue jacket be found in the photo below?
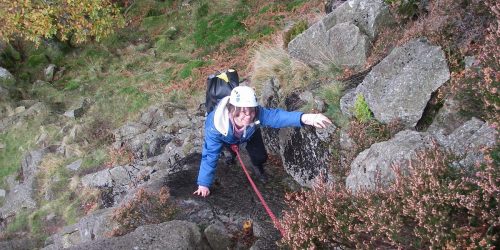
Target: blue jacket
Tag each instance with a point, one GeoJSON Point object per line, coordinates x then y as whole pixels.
{"type": "Point", "coordinates": [218, 131]}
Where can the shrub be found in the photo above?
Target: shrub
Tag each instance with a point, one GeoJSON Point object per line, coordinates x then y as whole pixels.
{"type": "Point", "coordinates": [99, 132]}
{"type": "Point", "coordinates": [408, 9]}
{"type": "Point", "coordinates": [365, 134]}
{"type": "Point", "coordinates": [297, 28]}
{"type": "Point", "coordinates": [361, 110]}
{"type": "Point", "coordinates": [120, 156]}
{"type": "Point", "coordinates": [292, 5]}
{"type": "Point", "coordinates": [436, 206]}
{"type": "Point", "coordinates": [145, 208]}
{"type": "Point", "coordinates": [477, 86]}
{"type": "Point", "coordinates": [79, 21]}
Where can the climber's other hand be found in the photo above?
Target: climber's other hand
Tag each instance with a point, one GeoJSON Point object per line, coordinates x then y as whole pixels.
{"type": "Point", "coordinates": [316, 120]}
{"type": "Point", "coordinates": [202, 191]}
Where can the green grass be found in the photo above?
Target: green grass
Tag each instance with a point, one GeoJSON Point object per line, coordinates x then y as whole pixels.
{"type": "Point", "coordinates": [297, 28]}
{"type": "Point", "coordinates": [70, 214]}
{"type": "Point", "coordinates": [188, 68]}
{"type": "Point", "coordinates": [261, 31]}
{"type": "Point", "coordinates": [361, 110]}
{"type": "Point", "coordinates": [71, 85]}
{"type": "Point", "coordinates": [36, 223]}
{"type": "Point", "coordinates": [138, 63]}
{"type": "Point", "coordinates": [17, 142]}
{"type": "Point", "coordinates": [20, 223]}
{"type": "Point", "coordinates": [95, 159]}
{"type": "Point", "coordinates": [95, 52]}
{"type": "Point", "coordinates": [167, 76]}
{"type": "Point", "coordinates": [154, 22]}
{"type": "Point", "coordinates": [265, 9]}
{"type": "Point", "coordinates": [48, 94]}
{"type": "Point", "coordinates": [134, 98]}
{"type": "Point", "coordinates": [10, 57]}
{"type": "Point", "coordinates": [122, 38]}
{"type": "Point", "coordinates": [331, 94]}
{"type": "Point", "coordinates": [217, 28]}
{"type": "Point", "coordinates": [291, 5]}
{"type": "Point", "coordinates": [37, 60]}
{"type": "Point", "coordinates": [164, 44]}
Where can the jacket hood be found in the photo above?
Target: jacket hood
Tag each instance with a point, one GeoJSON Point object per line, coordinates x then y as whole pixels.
{"type": "Point", "coordinates": [221, 116]}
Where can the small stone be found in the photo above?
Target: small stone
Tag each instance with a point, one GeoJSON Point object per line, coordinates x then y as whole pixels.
{"type": "Point", "coordinates": [49, 72]}
{"type": "Point", "coordinates": [75, 165]}
{"type": "Point", "coordinates": [50, 217]}
{"type": "Point", "coordinates": [19, 109]}
{"type": "Point", "coordinates": [217, 236]}
{"type": "Point", "coordinates": [70, 114]}
{"type": "Point", "coordinates": [470, 61]}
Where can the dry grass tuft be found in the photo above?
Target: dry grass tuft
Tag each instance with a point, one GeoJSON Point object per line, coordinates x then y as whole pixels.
{"type": "Point", "coordinates": [121, 156]}
{"type": "Point", "coordinates": [51, 171]}
{"type": "Point", "coordinates": [275, 63]}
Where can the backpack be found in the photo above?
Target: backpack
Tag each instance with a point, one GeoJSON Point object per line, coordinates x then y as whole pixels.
{"type": "Point", "coordinates": [219, 85]}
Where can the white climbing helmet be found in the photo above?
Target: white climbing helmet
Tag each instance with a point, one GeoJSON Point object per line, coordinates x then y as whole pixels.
{"type": "Point", "coordinates": [243, 96]}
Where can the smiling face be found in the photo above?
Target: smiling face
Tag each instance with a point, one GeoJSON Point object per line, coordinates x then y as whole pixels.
{"type": "Point", "coordinates": [243, 116]}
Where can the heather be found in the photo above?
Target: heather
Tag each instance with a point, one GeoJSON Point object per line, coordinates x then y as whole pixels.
{"type": "Point", "coordinates": [432, 204]}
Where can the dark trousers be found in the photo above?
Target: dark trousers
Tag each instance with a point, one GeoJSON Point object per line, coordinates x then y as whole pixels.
{"type": "Point", "coordinates": [256, 149]}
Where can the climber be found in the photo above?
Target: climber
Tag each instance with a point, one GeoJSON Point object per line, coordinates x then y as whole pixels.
{"type": "Point", "coordinates": [236, 120]}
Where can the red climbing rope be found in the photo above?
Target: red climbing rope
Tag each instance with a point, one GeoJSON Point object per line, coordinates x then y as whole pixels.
{"type": "Point", "coordinates": [268, 210]}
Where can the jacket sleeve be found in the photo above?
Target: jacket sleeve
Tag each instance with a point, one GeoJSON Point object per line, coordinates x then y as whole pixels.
{"type": "Point", "coordinates": [209, 156]}
{"type": "Point", "coordinates": [278, 118]}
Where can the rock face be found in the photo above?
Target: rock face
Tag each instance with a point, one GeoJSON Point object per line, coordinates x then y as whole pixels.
{"type": "Point", "coordinates": [342, 37]}
{"type": "Point", "coordinates": [306, 153]}
{"type": "Point", "coordinates": [169, 235]}
{"type": "Point", "coordinates": [4, 94]}
{"type": "Point", "coordinates": [75, 165]}
{"type": "Point", "coordinates": [118, 180]}
{"type": "Point", "coordinates": [160, 129]}
{"type": "Point", "coordinates": [90, 228]}
{"type": "Point", "coordinates": [37, 109]}
{"type": "Point", "coordinates": [447, 119]}
{"type": "Point", "coordinates": [49, 72]}
{"type": "Point", "coordinates": [270, 98]}
{"type": "Point", "coordinates": [217, 236]}
{"type": "Point", "coordinates": [80, 108]}
{"type": "Point", "coordinates": [347, 102]}
{"type": "Point", "coordinates": [6, 78]}
{"type": "Point", "coordinates": [400, 86]}
{"type": "Point", "coordinates": [373, 165]}
{"type": "Point", "coordinates": [349, 45]}
{"type": "Point", "coordinates": [21, 194]}
{"type": "Point", "coordinates": [330, 5]}
{"type": "Point", "coordinates": [467, 141]}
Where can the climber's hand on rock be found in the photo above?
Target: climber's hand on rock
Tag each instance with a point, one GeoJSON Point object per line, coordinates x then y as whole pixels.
{"type": "Point", "coordinates": [202, 191]}
{"type": "Point", "coordinates": [316, 120]}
